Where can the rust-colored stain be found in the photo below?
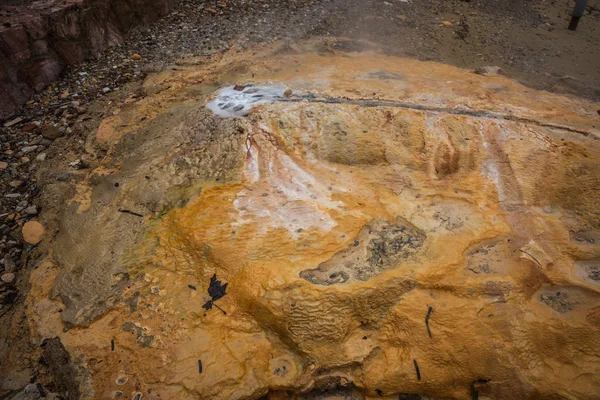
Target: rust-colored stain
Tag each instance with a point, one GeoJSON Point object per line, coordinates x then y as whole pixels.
{"type": "Point", "coordinates": [337, 225]}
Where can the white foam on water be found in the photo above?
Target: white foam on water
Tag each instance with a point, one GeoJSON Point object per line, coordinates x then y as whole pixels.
{"type": "Point", "coordinates": [238, 103]}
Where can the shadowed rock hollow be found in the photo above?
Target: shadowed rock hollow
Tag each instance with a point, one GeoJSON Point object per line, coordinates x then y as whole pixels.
{"type": "Point", "coordinates": [389, 227]}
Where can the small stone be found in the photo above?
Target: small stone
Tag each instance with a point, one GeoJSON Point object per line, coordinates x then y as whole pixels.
{"type": "Point", "coordinates": [106, 90]}
{"type": "Point", "coordinates": [447, 23]}
{"type": "Point", "coordinates": [64, 95]}
{"type": "Point", "coordinates": [64, 177]}
{"type": "Point", "coordinates": [288, 93]}
{"type": "Point", "coordinates": [41, 157]}
{"type": "Point", "coordinates": [33, 232]}
{"type": "Point", "coordinates": [3, 165]}
{"type": "Point", "coordinates": [210, 10]}
{"type": "Point", "coordinates": [489, 71]}
{"type": "Point", "coordinates": [78, 164]}
{"type": "Point", "coordinates": [81, 110]}
{"type": "Point", "coordinates": [136, 57]}
{"type": "Point", "coordinates": [75, 104]}
{"type": "Point", "coordinates": [239, 88]}
{"type": "Point", "coordinates": [28, 149]}
{"type": "Point", "coordinates": [50, 132]}
{"type": "Point", "coordinates": [15, 183]}
{"type": "Point", "coordinates": [29, 127]}
{"type": "Point", "coordinates": [9, 264]}
{"type": "Point", "coordinates": [8, 277]}
{"type": "Point", "coordinates": [31, 210]}
{"type": "Point", "coordinates": [13, 122]}
{"type": "Point", "coordinates": [401, 16]}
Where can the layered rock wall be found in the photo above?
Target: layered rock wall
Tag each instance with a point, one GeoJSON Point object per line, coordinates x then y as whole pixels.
{"type": "Point", "coordinates": [39, 40]}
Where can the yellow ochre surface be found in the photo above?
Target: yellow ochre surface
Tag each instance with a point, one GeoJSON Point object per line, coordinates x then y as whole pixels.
{"type": "Point", "coordinates": [337, 225]}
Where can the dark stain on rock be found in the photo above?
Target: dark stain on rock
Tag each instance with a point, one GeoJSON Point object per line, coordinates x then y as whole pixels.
{"type": "Point", "coordinates": [142, 340]}
{"type": "Point", "coordinates": [383, 75]}
{"type": "Point", "coordinates": [559, 302]}
{"type": "Point", "coordinates": [133, 301]}
{"type": "Point", "coordinates": [380, 245]}
{"type": "Point", "coordinates": [64, 373]}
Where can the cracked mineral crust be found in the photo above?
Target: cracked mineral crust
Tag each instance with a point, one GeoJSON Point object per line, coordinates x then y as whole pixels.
{"type": "Point", "coordinates": [382, 189]}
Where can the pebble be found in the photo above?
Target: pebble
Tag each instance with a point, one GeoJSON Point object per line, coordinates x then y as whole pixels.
{"type": "Point", "coordinates": [64, 177]}
{"type": "Point", "coordinates": [106, 90]}
{"type": "Point", "coordinates": [28, 149]}
{"type": "Point", "coordinates": [3, 165]}
{"type": "Point", "coordinates": [29, 127]}
{"type": "Point", "coordinates": [33, 232]}
{"type": "Point", "coordinates": [50, 132]}
{"type": "Point", "coordinates": [489, 71]}
{"type": "Point", "coordinates": [9, 264]}
{"type": "Point", "coordinates": [13, 122]}
{"type": "Point", "coordinates": [41, 157]}
{"type": "Point", "coordinates": [77, 164]}
{"type": "Point", "coordinates": [136, 57]}
{"type": "Point", "coordinates": [31, 210]}
{"type": "Point", "coordinates": [8, 277]}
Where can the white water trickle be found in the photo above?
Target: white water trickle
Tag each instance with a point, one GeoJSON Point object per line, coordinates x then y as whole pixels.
{"type": "Point", "coordinates": [230, 102]}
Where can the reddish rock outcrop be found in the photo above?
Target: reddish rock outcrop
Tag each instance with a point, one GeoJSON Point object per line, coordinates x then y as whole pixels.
{"type": "Point", "coordinates": [37, 41]}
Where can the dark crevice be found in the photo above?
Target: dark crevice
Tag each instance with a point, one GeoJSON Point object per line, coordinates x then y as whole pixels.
{"type": "Point", "coordinates": [444, 110]}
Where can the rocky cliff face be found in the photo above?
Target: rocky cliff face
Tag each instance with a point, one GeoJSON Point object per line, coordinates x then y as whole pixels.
{"type": "Point", "coordinates": [39, 40]}
{"type": "Point", "coordinates": [387, 228]}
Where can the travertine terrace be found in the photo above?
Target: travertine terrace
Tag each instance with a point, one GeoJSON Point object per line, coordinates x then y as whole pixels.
{"type": "Point", "coordinates": [386, 227]}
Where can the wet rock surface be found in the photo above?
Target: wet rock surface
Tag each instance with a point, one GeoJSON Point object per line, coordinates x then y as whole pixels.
{"type": "Point", "coordinates": [398, 244]}
{"type": "Point", "coordinates": [74, 141]}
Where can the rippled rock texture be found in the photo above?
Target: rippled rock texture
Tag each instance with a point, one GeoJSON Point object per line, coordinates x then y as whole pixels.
{"type": "Point", "coordinates": [390, 228]}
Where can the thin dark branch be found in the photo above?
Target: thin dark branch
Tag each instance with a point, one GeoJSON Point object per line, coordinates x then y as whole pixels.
{"type": "Point", "coordinates": [536, 260]}
{"type": "Point", "coordinates": [429, 311]}
{"type": "Point", "coordinates": [219, 308]}
{"type": "Point", "coordinates": [417, 370]}
{"type": "Point", "coordinates": [130, 212]}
